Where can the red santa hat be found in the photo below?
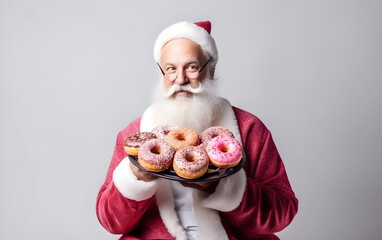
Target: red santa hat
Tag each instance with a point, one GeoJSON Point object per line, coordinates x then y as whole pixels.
{"type": "Point", "coordinates": [198, 32]}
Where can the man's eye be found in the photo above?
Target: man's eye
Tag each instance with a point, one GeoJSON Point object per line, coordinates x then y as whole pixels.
{"type": "Point", "coordinates": [171, 69]}
{"type": "Point", "coordinates": [192, 68]}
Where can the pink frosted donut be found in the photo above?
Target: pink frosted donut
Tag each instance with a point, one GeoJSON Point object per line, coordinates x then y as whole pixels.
{"type": "Point", "coordinates": [190, 162]}
{"type": "Point", "coordinates": [156, 155]}
{"type": "Point", "coordinates": [162, 130]}
{"type": "Point", "coordinates": [224, 152]}
{"type": "Point", "coordinates": [212, 132]}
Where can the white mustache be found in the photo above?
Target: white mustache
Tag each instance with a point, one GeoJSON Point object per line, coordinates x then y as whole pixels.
{"type": "Point", "coordinates": [186, 87]}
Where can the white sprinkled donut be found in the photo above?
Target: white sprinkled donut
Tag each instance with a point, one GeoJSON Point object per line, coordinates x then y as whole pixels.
{"type": "Point", "coordinates": [213, 132]}
{"type": "Point", "coordinates": [156, 155]}
{"type": "Point", "coordinates": [162, 130]}
{"type": "Point", "coordinates": [191, 162]}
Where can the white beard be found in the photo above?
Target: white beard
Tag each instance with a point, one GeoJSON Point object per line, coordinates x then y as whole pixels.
{"type": "Point", "coordinates": [197, 112]}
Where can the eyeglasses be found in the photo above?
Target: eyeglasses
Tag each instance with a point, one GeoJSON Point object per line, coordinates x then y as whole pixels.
{"type": "Point", "coordinates": [192, 71]}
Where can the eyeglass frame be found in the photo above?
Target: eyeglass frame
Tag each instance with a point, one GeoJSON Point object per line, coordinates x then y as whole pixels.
{"type": "Point", "coordinates": [163, 73]}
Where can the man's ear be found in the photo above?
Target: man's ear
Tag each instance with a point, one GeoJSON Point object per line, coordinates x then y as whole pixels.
{"type": "Point", "coordinates": [211, 72]}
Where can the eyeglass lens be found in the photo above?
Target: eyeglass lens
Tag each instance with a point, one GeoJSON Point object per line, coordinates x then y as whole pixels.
{"type": "Point", "coordinates": [191, 72]}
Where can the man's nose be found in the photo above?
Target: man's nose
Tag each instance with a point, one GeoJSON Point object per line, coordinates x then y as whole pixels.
{"type": "Point", "coordinates": [182, 77]}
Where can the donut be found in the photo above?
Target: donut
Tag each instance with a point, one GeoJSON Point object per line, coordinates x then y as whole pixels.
{"type": "Point", "coordinates": [212, 132]}
{"type": "Point", "coordinates": [156, 155]}
{"type": "Point", "coordinates": [182, 137]}
{"type": "Point", "coordinates": [191, 162]}
{"type": "Point", "coordinates": [224, 152]}
{"type": "Point", "coordinates": [162, 130]}
{"type": "Point", "coordinates": [134, 141]}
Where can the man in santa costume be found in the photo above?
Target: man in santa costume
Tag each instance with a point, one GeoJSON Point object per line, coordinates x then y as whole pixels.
{"type": "Point", "coordinates": [253, 203]}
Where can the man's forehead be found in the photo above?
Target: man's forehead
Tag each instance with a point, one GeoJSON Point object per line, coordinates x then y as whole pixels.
{"type": "Point", "coordinates": [189, 61]}
{"type": "Point", "coordinates": [182, 44]}
{"type": "Point", "coordinates": [180, 41]}
{"type": "Point", "coordinates": [182, 47]}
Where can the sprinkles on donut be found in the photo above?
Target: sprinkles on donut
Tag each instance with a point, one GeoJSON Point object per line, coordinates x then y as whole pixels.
{"type": "Point", "coordinates": [224, 151]}
{"type": "Point", "coordinates": [162, 130]}
{"type": "Point", "coordinates": [213, 132]}
{"type": "Point", "coordinates": [182, 137]}
{"type": "Point", "coordinates": [156, 155]}
{"type": "Point", "coordinates": [182, 149]}
{"type": "Point", "coordinates": [191, 162]}
{"type": "Point", "coordinates": [133, 142]}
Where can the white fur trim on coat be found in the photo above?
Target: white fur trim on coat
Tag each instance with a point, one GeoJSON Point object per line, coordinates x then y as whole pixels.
{"type": "Point", "coordinates": [228, 194]}
{"type": "Point", "coordinates": [227, 118]}
{"type": "Point", "coordinates": [210, 227]}
{"type": "Point", "coordinates": [128, 184]}
{"type": "Point", "coordinates": [209, 224]}
{"type": "Point", "coordinates": [166, 206]}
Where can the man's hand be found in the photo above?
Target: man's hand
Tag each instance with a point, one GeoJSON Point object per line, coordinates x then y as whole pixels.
{"type": "Point", "coordinates": [142, 175]}
{"type": "Point", "coordinates": [208, 187]}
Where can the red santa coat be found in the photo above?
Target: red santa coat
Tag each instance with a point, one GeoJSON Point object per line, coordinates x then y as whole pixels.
{"type": "Point", "coordinates": [258, 201]}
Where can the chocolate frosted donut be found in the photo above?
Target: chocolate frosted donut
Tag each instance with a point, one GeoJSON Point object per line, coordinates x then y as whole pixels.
{"type": "Point", "coordinates": [134, 141]}
{"type": "Point", "coordinates": [191, 162]}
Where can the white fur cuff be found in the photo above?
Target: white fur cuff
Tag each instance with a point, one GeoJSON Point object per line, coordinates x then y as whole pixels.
{"type": "Point", "coordinates": [228, 194]}
{"type": "Point", "coordinates": [128, 184]}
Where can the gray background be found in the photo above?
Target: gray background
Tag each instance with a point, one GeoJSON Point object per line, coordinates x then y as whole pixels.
{"type": "Point", "coordinates": [73, 73]}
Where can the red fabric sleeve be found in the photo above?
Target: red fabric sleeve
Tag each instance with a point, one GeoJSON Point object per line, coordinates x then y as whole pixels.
{"type": "Point", "coordinates": [116, 213]}
{"type": "Point", "coordinates": [269, 203]}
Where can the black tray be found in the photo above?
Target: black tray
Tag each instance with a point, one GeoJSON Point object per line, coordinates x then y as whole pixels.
{"type": "Point", "coordinates": [213, 173]}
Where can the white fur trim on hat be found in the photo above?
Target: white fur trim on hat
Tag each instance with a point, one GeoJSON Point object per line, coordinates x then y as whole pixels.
{"type": "Point", "coordinates": [189, 31]}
